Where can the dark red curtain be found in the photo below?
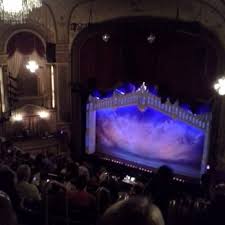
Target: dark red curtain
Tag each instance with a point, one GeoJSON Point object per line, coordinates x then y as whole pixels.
{"type": "Point", "coordinates": [182, 65]}
{"type": "Point", "coordinates": [25, 43]}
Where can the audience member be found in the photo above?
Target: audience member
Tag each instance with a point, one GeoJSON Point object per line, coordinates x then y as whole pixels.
{"type": "Point", "coordinates": [26, 190]}
{"type": "Point", "coordinates": [103, 194]}
{"type": "Point", "coordinates": [8, 181]}
{"type": "Point", "coordinates": [83, 171]}
{"type": "Point", "coordinates": [216, 211]}
{"type": "Point", "coordinates": [160, 188]}
{"type": "Point", "coordinates": [134, 211]}
{"type": "Point", "coordinates": [7, 213]}
{"type": "Point", "coordinates": [81, 198]}
{"type": "Point", "coordinates": [137, 189]}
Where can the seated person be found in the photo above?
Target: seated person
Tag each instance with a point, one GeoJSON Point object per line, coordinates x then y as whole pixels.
{"type": "Point", "coordinates": [137, 189]}
{"type": "Point", "coordinates": [81, 198]}
{"type": "Point", "coordinates": [134, 211]}
{"type": "Point", "coordinates": [7, 213]}
{"type": "Point", "coordinates": [215, 213]}
{"type": "Point", "coordinates": [160, 189]}
{"type": "Point", "coordinates": [8, 185]}
{"type": "Point", "coordinates": [103, 193]}
{"type": "Point", "coordinates": [26, 190]}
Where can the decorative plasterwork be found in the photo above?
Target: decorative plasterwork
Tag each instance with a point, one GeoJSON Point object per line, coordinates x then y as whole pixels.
{"type": "Point", "coordinates": [144, 99]}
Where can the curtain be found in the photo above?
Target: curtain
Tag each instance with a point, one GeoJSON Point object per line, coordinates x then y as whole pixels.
{"type": "Point", "coordinates": [17, 60]}
{"type": "Point", "coordinates": [14, 63]}
{"type": "Point", "coordinates": [41, 72]}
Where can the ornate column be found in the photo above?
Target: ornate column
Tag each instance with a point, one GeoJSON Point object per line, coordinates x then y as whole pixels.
{"type": "Point", "coordinates": [63, 82]}
{"type": "Point", "coordinates": [63, 91]}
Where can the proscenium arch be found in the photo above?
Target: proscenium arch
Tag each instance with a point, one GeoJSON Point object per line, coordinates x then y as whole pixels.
{"type": "Point", "coordinates": [215, 9]}
{"type": "Point", "coordinates": [83, 36]}
{"type": "Point", "coordinates": [99, 28]}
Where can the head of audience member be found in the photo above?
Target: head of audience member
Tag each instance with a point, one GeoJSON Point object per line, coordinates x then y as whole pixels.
{"type": "Point", "coordinates": [134, 211]}
{"type": "Point", "coordinates": [23, 173]}
{"type": "Point", "coordinates": [83, 171]}
{"type": "Point", "coordinates": [164, 174]}
{"type": "Point", "coordinates": [104, 179]}
{"type": "Point", "coordinates": [81, 183]}
{"type": "Point", "coordinates": [137, 189]}
{"type": "Point", "coordinates": [7, 214]}
{"type": "Point", "coordinates": [71, 171]}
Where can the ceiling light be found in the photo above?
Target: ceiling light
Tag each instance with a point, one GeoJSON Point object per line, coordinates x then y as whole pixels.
{"type": "Point", "coordinates": [17, 11]}
{"type": "Point", "coordinates": [151, 38]}
{"type": "Point", "coordinates": [106, 37]}
{"type": "Point", "coordinates": [32, 66]}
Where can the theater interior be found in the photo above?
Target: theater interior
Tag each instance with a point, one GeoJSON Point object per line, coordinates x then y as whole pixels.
{"type": "Point", "coordinates": [110, 106]}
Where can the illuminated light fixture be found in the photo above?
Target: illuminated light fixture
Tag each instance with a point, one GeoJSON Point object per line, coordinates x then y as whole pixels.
{"type": "Point", "coordinates": [151, 38]}
{"type": "Point", "coordinates": [106, 37]}
{"type": "Point", "coordinates": [43, 114]}
{"type": "Point", "coordinates": [53, 86]}
{"type": "Point", "coordinates": [32, 66]}
{"type": "Point", "coordinates": [219, 86]}
{"type": "Point", "coordinates": [17, 117]}
{"type": "Point", "coordinates": [17, 11]}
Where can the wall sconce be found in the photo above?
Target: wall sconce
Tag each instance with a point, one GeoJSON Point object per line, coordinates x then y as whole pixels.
{"type": "Point", "coordinates": [17, 117]}
{"type": "Point", "coordinates": [44, 114]}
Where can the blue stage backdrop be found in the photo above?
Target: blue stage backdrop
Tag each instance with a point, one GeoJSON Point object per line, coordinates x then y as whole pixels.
{"type": "Point", "coordinates": [149, 138]}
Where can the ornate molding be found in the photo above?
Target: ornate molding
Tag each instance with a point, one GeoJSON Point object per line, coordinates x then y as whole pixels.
{"type": "Point", "coordinates": [144, 99]}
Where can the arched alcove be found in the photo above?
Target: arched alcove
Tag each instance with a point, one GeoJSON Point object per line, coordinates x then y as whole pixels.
{"type": "Point", "coordinates": [31, 86]}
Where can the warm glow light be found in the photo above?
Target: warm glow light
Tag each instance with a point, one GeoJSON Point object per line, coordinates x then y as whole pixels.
{"type": "Point", "coordinates": [53, 86]}
{"type": "Point", "coordinates": [17, 117]}
{"type": "Point", "coordinates": [13, 6]}
{"type": "Point", "coordinates": [106, 37]}
{"type": "Point", "coordinates": [32, 66]}
{"type": "Point", "coordinates": [2, 91]}
{"type": "Point", "coordinates": [16, 11]}
{"type": "Point", "coordinates": [219, 86]}
{"type": "Point", "coordinates": [43, 114]}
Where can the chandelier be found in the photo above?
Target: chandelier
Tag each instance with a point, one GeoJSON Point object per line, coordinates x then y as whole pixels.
{"type": "Point", "coordinates": [32, 66]}
{"type": "Point", "coordinates": [17, 11]}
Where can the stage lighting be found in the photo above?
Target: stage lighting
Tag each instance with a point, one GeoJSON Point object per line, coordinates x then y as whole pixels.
{"type": "Point", "coordinates": [151, 38]}
{"type": "Point", "coordinates": [106, 37]}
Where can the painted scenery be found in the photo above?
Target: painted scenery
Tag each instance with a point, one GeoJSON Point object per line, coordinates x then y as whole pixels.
{"type": "Point", "coordinates": [149, 138]}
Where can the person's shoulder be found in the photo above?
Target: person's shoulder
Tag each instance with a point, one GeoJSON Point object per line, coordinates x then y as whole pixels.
{"type": "Point", "coordinates": [156, 214]}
